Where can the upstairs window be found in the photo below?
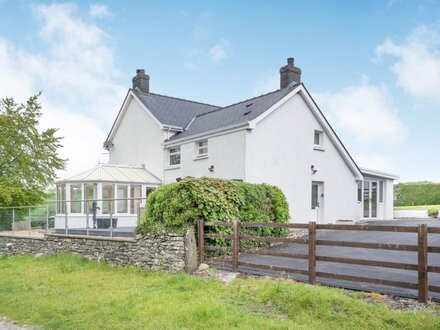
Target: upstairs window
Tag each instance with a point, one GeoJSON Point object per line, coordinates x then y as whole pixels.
{"type": "Point", "coordinates": [318, 139]}
{"type": "Point", "coordinates": [174, 156]}
{"type": "Point", "coordinates": [202, 148]}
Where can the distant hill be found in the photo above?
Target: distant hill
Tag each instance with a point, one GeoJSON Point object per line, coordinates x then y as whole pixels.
{"type": "Point", "coordinates": [417, 193]}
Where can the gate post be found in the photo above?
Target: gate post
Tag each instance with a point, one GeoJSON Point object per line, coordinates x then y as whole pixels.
{"type": "Point", "coordinates": [312, 252]}
{"type": "Point", "coordinates": [422, 236]}
{"type": "Point", "coordinates": [201, 239]}
{"type": "Point", "coordinates": [235, 247]}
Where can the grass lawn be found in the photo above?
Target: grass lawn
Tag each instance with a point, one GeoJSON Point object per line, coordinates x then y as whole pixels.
{"type": "Point", "coordinates": [417, 207]}
{"type": "Point", "coordinates": [68, 292]}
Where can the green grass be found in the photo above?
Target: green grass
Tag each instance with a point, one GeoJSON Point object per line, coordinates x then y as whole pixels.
{"type": "Point", "coordinates": [417, 207]}
{"type": "Point", "coordinates": [68, 292]}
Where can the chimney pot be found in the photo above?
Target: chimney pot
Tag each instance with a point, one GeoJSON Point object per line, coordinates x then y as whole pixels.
{"type": "Point", "coordinates": [289, 74]}
{"type": "Point", "coordinates": [141, 81]}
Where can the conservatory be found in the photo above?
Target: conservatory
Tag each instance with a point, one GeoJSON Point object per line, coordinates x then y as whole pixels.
{"type": "Point", "coordinates": [106, 194]}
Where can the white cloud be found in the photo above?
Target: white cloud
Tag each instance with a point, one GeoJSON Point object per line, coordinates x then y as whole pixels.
{"type": "Point", "coordinates": [381, 162]}
{"type": "Point", "coordinates": [416, 62]}
{"type": "Point", "coordinates": [365, 112]}
{"type": "Point", "coordinates": [220, 51]}
{"type": "Point", "coordinates": [190, 66]}
{"type": "Point", "coordinates": [98, 10]}
{"type": "Point", "coordinates": [76, 74]}
{"type": "Point", "coordinates": [266, 85]}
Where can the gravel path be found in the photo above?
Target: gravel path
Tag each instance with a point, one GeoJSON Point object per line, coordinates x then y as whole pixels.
{"type": "Point", "coordinates": [7, 324]}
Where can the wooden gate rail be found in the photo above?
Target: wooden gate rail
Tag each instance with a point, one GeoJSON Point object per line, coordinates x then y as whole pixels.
{"type": "Point", "coordinates": [421, 248]}
{"type": "Point", "coordinates": [365, 245]}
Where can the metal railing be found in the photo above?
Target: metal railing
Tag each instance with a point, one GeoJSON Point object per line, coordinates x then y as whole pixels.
{"type": "Point", "coordinates": [87, 217]}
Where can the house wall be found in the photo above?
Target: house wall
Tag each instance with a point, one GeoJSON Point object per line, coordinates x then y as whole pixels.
{"type": "Point", "coordinates": [280, 151]}
{"type": "Point", "coordinates": [226, 153]}
{"type": "Point", "coordinates": [138, 140]}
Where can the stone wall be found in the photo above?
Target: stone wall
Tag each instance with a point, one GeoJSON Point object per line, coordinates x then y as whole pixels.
{"type": "Point", "coordinates": [172, 252]}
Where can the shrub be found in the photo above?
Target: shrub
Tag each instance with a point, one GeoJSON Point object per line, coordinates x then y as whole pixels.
{"type": "Point", "coordinates": [176, 207]}
{"type": "Point", "coordinates": [433, 213]}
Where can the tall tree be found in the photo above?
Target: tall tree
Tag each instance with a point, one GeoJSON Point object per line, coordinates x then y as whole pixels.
{"type": "Point", "coordinates": [28, 156]}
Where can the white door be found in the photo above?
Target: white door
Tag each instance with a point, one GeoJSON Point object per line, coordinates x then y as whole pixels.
{"type": "Point", "coordinates": [317, 201]}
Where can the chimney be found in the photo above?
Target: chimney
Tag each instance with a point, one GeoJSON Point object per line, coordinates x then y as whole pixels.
{"type": "Point", "coordinates": [141, 81]}
{"type": "Point", "coordinates": [289, 74]}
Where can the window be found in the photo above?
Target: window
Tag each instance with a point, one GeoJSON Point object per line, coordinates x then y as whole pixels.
{"type": "Point", "coordinates": [174, 156]}
{"type": "Point", "coordinates": [89, 196]}
{"type": "Point", "coordinates": [373, 199]}
{"type": "Point", "coordinates": [61, 198]}
{"type": "Point", "coordinates": [108, 195]}
{"type": "Point", "coordinates": [75, 198]}
{"type": "Point", "coordinates": [122, 195]}
{"type": "Point", "coordinates": [380, 191]}
{"type": "Point", "coordinates": [359, 191]}
{"type": "Point", "coordinates": [315, 192]}
{"type": "Point", "coordinates": [202, 148]}
{"type": "Point", "coordinates": [318, 139]}
{"type": "Point", "coordinates": [136, 194]}
{"type": "Point", "coordinates": [149, 190]}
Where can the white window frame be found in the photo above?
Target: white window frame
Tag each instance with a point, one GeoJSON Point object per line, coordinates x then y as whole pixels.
{"type": "Point", "coordinates": [173, 152]}
{"type": "Point", "coordinates": [321, 139]}
{"type": "Point", "coordinates": [200, 147]}
{"type": "Point", "coordinates": [123, 202]}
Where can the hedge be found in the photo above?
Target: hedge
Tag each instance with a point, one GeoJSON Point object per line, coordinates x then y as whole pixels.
{"type": "Point", "coordinates": [176, 207]}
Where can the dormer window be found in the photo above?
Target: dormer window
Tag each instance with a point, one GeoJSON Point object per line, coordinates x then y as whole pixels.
{"type": "Point", "coordinates": [202, 148]}
{"type": "Point", "coordinates": [318, 139]}
{"type": "Point", "coordinates": [174, 156]}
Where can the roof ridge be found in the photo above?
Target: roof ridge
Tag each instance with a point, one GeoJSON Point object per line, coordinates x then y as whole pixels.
{"type": "Point", "coordinates": [176, 98]}
{"type": "Point", "coordinates": [230, 105]}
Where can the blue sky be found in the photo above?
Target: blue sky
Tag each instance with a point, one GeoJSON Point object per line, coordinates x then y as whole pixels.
{"type": "Point", "coordinates": [373, 66]}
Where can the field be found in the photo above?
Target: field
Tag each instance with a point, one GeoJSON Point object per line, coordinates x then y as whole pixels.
{"type": "Point", "coordinates": [67, 292]}
{"type": "Point", "coordinates": [417, 193]}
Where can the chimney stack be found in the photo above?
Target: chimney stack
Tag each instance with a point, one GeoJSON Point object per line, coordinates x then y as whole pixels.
{"type": "Point", "coordinates": [141, 81]}
{"type": "Point", "coordinates": [289, 74]}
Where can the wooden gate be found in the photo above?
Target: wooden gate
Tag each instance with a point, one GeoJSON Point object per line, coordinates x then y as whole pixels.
{"type": "Point", "coordinates": [232, 253]}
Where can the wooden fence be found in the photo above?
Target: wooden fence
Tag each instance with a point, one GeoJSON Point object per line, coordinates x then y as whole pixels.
{"type": "Point", "coordinates": [421, 248]}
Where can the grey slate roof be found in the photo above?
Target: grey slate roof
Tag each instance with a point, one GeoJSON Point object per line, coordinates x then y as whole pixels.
{"type": "Point", "coordinates": [234, 114]}
{"type": "Point", "coordinates": [199, 118]}
{"type": "Point", "coordinates": [173, 111]}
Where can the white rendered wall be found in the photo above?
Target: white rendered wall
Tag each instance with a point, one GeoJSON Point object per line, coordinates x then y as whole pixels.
{"type": "Point", "coordinates": [225, 152]}
{"type": "Point", "coordinates": [389, 199]}
{"type": "Point", "coordinates": [138, 140]}
{"type": "Point", "coordinates": [280, 152]}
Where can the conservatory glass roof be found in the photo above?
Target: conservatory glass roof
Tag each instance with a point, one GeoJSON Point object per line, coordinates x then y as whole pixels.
{"type": "Point", "coordinates": [114, 173]}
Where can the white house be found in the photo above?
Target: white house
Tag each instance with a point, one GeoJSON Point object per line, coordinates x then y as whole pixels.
{"type": "Point", "coordinates": [280, 138]}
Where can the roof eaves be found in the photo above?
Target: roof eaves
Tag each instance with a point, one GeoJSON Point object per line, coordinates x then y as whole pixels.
{"type": "Point", "coordinates": [333, 131]}
{"type": "Point", "coordinates": [368, 171]}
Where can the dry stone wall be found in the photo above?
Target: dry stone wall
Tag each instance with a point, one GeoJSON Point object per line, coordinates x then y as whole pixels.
{"type": "Point", "coordinates": [171, 252]}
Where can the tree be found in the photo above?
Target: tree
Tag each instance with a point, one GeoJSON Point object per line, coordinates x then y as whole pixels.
{"type": "Point", "coordinates": [28, 157]}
